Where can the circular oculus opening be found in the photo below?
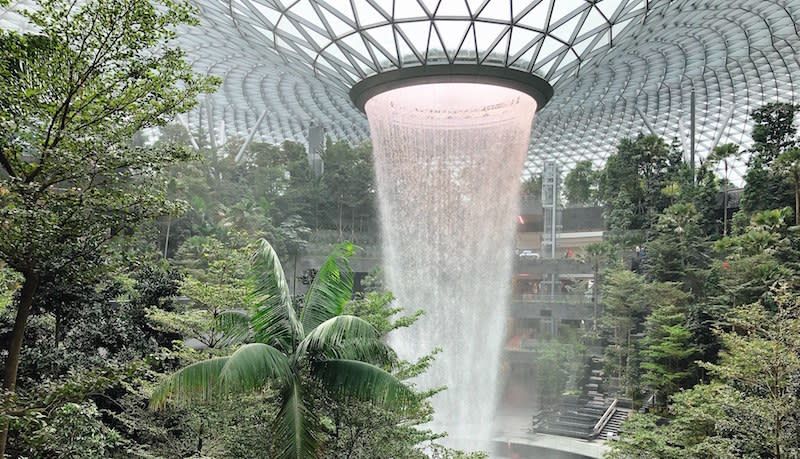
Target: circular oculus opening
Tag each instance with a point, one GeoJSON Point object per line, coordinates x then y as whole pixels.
{"type": "Point", "coordinates": [532, 85]}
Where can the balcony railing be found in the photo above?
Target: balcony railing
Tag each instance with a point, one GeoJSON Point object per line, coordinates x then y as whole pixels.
{"type": "Point", "coordinates": [543, 298]}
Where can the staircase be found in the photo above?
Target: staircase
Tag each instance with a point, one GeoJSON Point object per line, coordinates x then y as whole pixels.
{"type": "Point", "coordinates": [573, 418]}
{"type": "Point", "coordinates": [611, 429]}
{"type": "Point", "coordinates": [591, 415]}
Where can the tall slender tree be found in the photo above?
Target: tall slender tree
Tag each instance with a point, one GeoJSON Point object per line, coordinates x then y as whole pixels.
{"type": "Point", "coordinates": [596, 254]}
{"type": "Point", "coordinates": [724, 154]}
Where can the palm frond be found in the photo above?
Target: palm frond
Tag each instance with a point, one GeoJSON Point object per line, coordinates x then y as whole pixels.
{"type": "Point", "coordinates": [253, 366]}
{"type": "Point", "coordinates": [274, 321]}
{"type": "Point", "coordinates": [332, 334]}
{"type": "Point", "coordinates": [372, 351]}
{"type": "Point", "coordinates": [197, 381]}
{"type": "Point", "coordinates": [296, 426]}
{"type": "Point", "coordinates": [363, 381]}
{"type": "Point", "coordinates": [331, 289]}
{"type": "Point", "coordinates": [233, 325]}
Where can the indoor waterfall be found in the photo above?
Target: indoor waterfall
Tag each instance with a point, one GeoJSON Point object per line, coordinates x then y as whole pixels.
{"type": "Point", "coordinates": [448, 159]}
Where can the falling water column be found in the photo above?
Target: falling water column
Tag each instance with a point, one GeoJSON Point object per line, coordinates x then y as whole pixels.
{"type": "Point", "coordinates": [448, 159]}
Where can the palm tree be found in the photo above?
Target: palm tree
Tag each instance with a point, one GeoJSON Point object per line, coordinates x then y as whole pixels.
{"type": "Point", "coordinates": [595, 254]}
{"type": "Point", "coordinates": [338, 351]}
{"type": "Point", "coordinates": [770, 220]}
{"type": "Point", "coordinates": [725, 153]}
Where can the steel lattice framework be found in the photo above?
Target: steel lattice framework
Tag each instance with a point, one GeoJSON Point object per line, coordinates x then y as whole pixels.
{"type": "Point", "coordinates": [618, 67]}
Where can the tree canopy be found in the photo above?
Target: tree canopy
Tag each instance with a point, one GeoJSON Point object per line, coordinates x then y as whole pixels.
{"type": "Point", "coordinates": [580, 184]}
{"type": "Point", "coordinates": [73, 96]}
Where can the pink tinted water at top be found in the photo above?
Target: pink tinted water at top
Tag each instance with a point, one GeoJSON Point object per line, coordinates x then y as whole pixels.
{"type": "Point", "coordinates": [448, 160]}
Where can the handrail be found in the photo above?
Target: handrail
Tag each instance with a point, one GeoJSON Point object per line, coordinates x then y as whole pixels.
{"type": "Point", "coordinates": [560, 298]}
{"type": "Point", "coordinates": [604, 419]}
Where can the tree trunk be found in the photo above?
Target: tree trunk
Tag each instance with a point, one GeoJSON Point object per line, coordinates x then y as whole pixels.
{"type": "Point", "coordinates": [628, 362]}
{"type": "Point", "coordinates": [352, 224]}
{"type": "Point", "coordinates": [341, 231]}
{"type": "Point", "coordinates": [200, 440]}
{"type": "Point", "coordinates": [683, 253]}
{"type": "Point", "coordinates": [166, 239]}
{"type": "Point", "coordinates": [725, 203]}
{"type": "Point", "coordinates": [594, 297]}
{"type": "Point", "coordinates": [619, 353]}
{"type": "Point", "coordinates": [15, 343]}
{"type": "Point", "coordinates": [778, 436]}
{"type": "Point", "coordinates": [796, 199]}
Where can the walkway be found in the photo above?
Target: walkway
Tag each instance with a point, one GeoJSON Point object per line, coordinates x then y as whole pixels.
{"type": "Point", "coordinates": [513, 426]}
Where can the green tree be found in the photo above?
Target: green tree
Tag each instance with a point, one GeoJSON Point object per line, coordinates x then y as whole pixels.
{"type": "Point", "coordinates": [596, 254]}
{"type": "Point", "coordinates": [625, 307]}
{"type": "Point", "coordinates": [366, 430]}
{"type": "Point", "coordinates": [754, 261]}
{"type": "Point", "coordinates": [672, 191]}
{"type": "Point", "coordinates": [761, 363]}
{"type": "Point", "coordinates": [641, 438]}
{"type": "Point", "coordinates": [723, 154]}
{"type": "Point", "coordinates": [75, 430]}
{"type": "Point", "coordinates": [580, 184]}
{"type": "Point", "coordinates": [788, 163]}
{"type": "Point", "coordinates": [268, 194]}
{"type": "Point", "coordinates": [773, 133]}
{"type": "Point", "coordinates": [73, 96]}
{"type": "Point", "coordinates": [705, 197]}
{"type": "Point", "coordinates": [348, 183]}
{"type": "Point", "coordinates": [668, 353]}
{"type": "Point", "coordinates": [677, 253]}
{"type": "Point", "coordinates": [553, 368]}
{"type": "Point", "coordinates": [628, 301]}
{"type": "Point", "coordinates": [633, 179]}
{"type": "Point", "coordinates": [532, 186]}
{"type": "Point", "coordinates": [698, 415]}
{"type": "Point", "coordinates": [280, 178]}
{"type": "Point", "coordinates": [217, 315]}
{"type": "Point", "coordinates": [749, 408]}
{"type": "Point", "coordinates": [773, 129]}
{"type": "Point", "coordinates": [322, 346]}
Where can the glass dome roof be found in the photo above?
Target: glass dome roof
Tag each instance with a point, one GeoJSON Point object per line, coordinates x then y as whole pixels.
{"type": "Point", "coordinates": [618, 67]}
{"type": "Point", "coordinates": [343, 42]}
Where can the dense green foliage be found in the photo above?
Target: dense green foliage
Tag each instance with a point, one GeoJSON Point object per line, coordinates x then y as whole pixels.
{"type": "Point", "coordinates": [270, 193]}
{"type": "Point", "coordinates": [774, 132]}
{"type": "Point", "coordinates": [127, 267]}
{"type": "Point", "coordinates": [72, 97]}
{"type": "Point", "coordinates": [108, 361]}
{"type": "Point", "coordinates": [716, 342]}
{"type": "Point", "coordinates": [533, 186]}
{"type": "Point", "coordinates": [319, 343]}
{"type": "Point", "coordinates": [632, 181]}
{"type": "Point", "coordinates": [71, 179]}
{"type": "Point", "coordinates": [556, 362]}
{"type": "Point", "coordinates": [580, 184]}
